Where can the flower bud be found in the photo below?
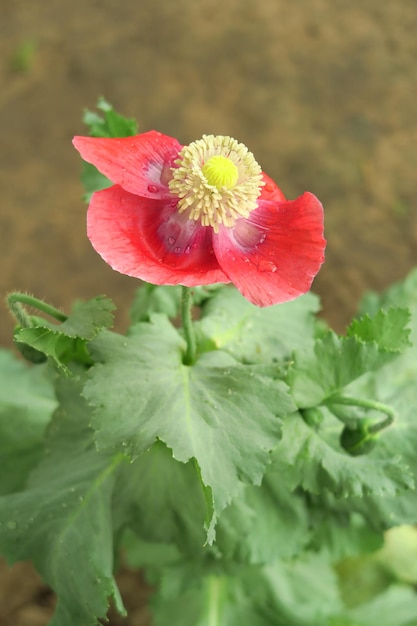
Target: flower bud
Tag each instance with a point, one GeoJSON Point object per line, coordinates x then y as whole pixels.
{"type": "Point", "coordinates": [28, 352]}
{"type": "Point", "coordinates": [360, 440]}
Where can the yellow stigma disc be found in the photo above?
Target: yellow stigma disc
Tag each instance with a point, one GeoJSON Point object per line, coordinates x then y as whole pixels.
{"type": "Point", "coordinates": [220, 172]}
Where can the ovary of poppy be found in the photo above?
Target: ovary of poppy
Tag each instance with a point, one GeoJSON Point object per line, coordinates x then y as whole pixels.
{"type": "Point", "coordinates": [201, 214]}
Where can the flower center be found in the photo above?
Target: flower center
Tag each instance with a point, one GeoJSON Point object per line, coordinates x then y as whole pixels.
{"type": "Point", "coordinates": [217, 181]}
{"type": "Point", "coordinates": [220, 172]}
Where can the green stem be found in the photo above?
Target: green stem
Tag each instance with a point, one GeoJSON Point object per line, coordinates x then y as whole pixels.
{"type": "Point", "coordinates": [187, 325]}
{"type": "Point", "coordinates": [23, 319]}
{"type": "Point", "coordinates": [16, 299]}
{"type": "Point", "coordinates": [368, 405]}
{"type": "Point", "coordinates": [214, 600]}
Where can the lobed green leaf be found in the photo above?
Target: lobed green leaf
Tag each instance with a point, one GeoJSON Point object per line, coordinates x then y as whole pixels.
{"type": "Point", "coordinates": [107, 123]}
{"type": "Point", "coordinates": [27, 401]}
{"type": "Point", "coordinates": [66, 342]}
{"type": "Point", "coordinates": [217, 411]}
{"type": "Point", "coordinates": [334, 362]}
{"type": "Point", "coordinates": [62, 521]}
{"type": "Point", "coordinates": [304, 458]}
{"type": "Point", "coordinates": [252, 334]}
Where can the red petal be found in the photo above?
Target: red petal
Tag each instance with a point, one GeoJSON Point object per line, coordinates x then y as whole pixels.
{"type": "Point", "coordinates": [274, 255]}
{"type": "Point", "coordinates": [135, 163]}
{"type": "Point", "coordinates": [149, 240]}
{"type": "Point", "coordinates": [271, 191]}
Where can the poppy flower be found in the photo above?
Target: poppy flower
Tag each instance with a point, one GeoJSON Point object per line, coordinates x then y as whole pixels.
{"type": "Point", "coordinates": [201, 214]}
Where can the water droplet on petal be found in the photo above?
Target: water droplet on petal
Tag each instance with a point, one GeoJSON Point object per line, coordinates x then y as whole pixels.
{"type": "Point", "coordinates": [187, 250]}
{"type": "Point", "coordinates": [262, 238]}
{"type": "Point", "coordinates": [153, 189]}
{"type": "Point", "coordinates": [177, 250]}
{"type": "Point", "coordinates": [171, 240]}
{"type": "Point", "coordinates": [266, 266]}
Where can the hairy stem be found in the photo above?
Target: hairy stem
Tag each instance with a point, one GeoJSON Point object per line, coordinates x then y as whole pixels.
{"type": "Point", "coordinates": [16, 299]}
{"type": "Point", "coordinates": [23, 319]}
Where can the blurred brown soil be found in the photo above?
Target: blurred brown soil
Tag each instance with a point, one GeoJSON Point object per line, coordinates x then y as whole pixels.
{"type": "Point", "coordinates": [322, 91]}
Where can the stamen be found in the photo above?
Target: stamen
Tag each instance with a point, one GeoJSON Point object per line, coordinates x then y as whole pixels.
{"type": "Point", "coordinates": [217, 181]}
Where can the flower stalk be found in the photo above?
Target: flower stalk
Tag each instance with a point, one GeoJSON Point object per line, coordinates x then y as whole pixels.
{"type": "Point", "coordinates": [369, 405]}
{"type": "Point", "coordinates": [16, 300]}
{"type": "Point", "coordinates": [188, 327]}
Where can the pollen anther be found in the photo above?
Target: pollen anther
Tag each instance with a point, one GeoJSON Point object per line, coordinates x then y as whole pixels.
{"type": "Point", "coordinates": [217, 181]}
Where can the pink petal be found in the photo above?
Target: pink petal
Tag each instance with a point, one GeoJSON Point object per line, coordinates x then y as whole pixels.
{"type": "Point", "coordinates": [147, 239]}
{"type": "Point", "coordinates": [140, 164]}
{"type": "Point", "coordinates": [273, 256]}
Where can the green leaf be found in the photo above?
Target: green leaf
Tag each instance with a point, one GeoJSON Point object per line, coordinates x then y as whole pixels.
{"type": "Point", "coordinates": [304, 458]}
{"type": "Point", "coordinates": [107, 123]}
{"type": "Point", "coordinates": [301, 592]}
{"type": "Point", "coordinates": [138, 553]}
{"type": "Point", "coordinates": [264, 524]}
{"type": "Point", "coordinates": [67, 341]}
{"type": "Point", "coordinates": [222, 413]}
{"type": "Point", "coordinates": [394, 384]}
{"type": "Point", "coordinates": [196, 604]}
{"type": "Point", "coordinates": [401, 294]}
{"type": "Point", "coordinates": [150, 299]}
{"type": "Point", "coordinates": [252, 334]}
{"type": "Point", "coordinates": [340, 534]}
{"type": "Point", "coordinates": [335, 361]}
{"type": "Point", "coordinates": [398, 605]}
{"type": "Point", "coordinates": [93, 181]}
{"type": "Point", "coordinates": [161, 500]}
{"type": "Point", "coordinates": [166, 299]}
{"type": "Point", "coordinates": [27, 402]}
{"type": "Point", "coordinates": [387, 329]}
{"type": "Point", "coordinates": [63, 520]}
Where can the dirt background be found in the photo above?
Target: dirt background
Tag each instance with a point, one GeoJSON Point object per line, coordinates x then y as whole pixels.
{"type": "Point", "coordinates": [322, 91]}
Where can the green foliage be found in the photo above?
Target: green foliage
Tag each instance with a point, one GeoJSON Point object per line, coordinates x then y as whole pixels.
{"type": "Point", "coordinates": [107, 123]}
{"type": "Point", "coordinates": [176, 500]}
{"type": "Point", "coordinates": [334, 362]}
{"type": "Point", "coordinates": [305, 458]}
{"type": "Point", "coordinates": [254, 335]}
{"type": "Point", "coordinates": [67, 341]}
{"type": "Point", "coordinates": [27, 402]}
{"type": "Point", "coordinates": [395, 384]}
{"type": "Point", "coordinates": [211, 411]}
{"type": "Point", "coordinates": [295, 593]}
{"type": "Point", "coordinates": [63, 519]}
{"type": "Point", "coordinates": [252, 528]}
